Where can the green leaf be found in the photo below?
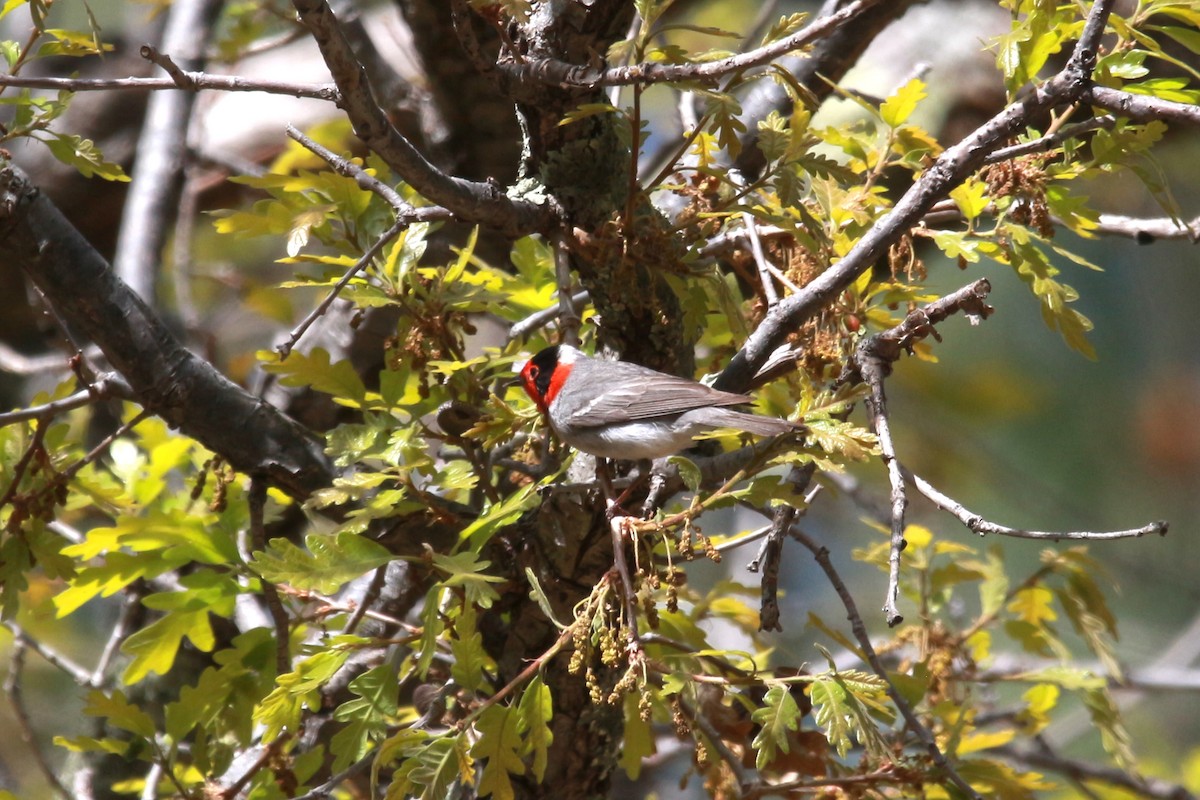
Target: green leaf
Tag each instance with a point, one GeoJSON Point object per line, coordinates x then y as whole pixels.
{"type": "Point", "coordinates": [315, 369]}
{"type": "Point", "coordinates": [831, 713]}
{"type": "Point", "coordinates": [466, 571]}
{"type": "Point", "coordinates": [778, 715]}
{"type": "Point", "coordinates": [896, 110]}
{"type": "Point", "coordinates": [1033, 605]}
{"type": "Point", "coordinates": [971, 198]}
{"type": "Point", "coordinates": [466, 646]}
{"type": "Point", "coordinates": [497, 515]}
{"type": "Point", "coordinates": [154, 647]}
{"type": "Point", "coordinates": [1113, 734]}
{"type": "Point", "coordinates": [688, 471]}
{"type": "Point", "coordinates": [367, 717]}
{"type": "Point", "coordinates": [83, 155]}
{"type": "Point", "coordinates": [499, 743]}
{"type": "Point", "coordinates": [296, 690]}
{"type": "Point", "coordinates": [224, 695]}
{"type": "Point", "coordinates": [330, 561]}
{"type": "Point", "coordinates": [119, 712]}
{"type": "Point", "coordinates": [537, 710]}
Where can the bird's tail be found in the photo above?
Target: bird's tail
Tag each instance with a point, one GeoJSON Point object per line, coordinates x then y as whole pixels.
{"type": "Point", "coordinates": [717, 417]}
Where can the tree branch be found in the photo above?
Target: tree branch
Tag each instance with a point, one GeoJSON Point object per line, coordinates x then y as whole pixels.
{"type": "Point", "coordinates": [167, 379]}
{"type": "Point", "coordinates": [864, 640]}
{"type": "Point", "coordinates": [560, 73]}
{"type": "Point", "coordinates": [1081, 771]}
{"type": "Point", "coordinates": [152, 202]}
{"type": "Point", "coordinates": [195, 81]}
{"type": "Point", "coordinates": [1140, 107]}
{"type": "Point", "coordinates": [950, 169]}
{"type": "Point", "coordinates": [982, 527]}
{"type": "Point", "coordinates": [482, 203]}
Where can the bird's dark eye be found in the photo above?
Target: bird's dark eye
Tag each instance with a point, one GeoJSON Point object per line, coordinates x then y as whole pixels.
{"type": "Point", "coordinates": [533, 372]}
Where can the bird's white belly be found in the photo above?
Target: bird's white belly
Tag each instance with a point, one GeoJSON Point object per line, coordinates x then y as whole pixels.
{"type": "Point", "coordinates": [631, 441]}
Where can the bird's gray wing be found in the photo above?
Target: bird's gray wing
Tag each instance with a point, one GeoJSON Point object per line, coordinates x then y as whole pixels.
{"type": "Point", "coordinates": [636, 393]}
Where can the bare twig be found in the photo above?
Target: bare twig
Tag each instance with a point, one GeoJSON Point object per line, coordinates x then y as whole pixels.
{"type": "Point", "coordinates": [1046, 758]}
{"type": "Point", "coordinates": [873, 371]}
{"type": "Point", "coordinates": [1141, 107]}
{"type": "Point", "coordinates": [981, 526]}
{"type": "Point", "coordinates": [470, 201]}
{"type": "Point", "coordinates": [369, 597]}
{"type": "Point", "coordinates": [76, 672]}
{"type": "Point", "coordinates": [129, 610]}
{"type": "Point", "coordinates": [367, 181]}
{"type": "Point", "coordinates": [769, 557]}
{"type": "Point", "coordinates": [150, 207]}
{"type": "Point", "coordinates": [102, 447]}
{"type": "Point", "coordinates": [864, 640]}
{"type": "Point", "coordinates": [12, 688]}
{"type": "Point", "coordinates": [197, 81]}
{"type": "Point", "coordinates": [285, 348]}
{"type": "Point", "coordinates": [697, 718]}
{"type": "Point", "coordinates": [107, 386]}
{"type": "Point", "coordinates": [256, 501]}
{"type": "Point", "coordinates": [17, 363]}
{"type": "Point", "coordinates": [543, 317]}
{"type": "Point", "coordinates": [623, 531]}
{"type": "Point", "coordinates": [1144, 231]}
{"type": "Point", "coordinates": [1051, 140]}
{"type": "Point", "coordinates": [324, 790]}
{"type": "Point", "coordinates": [872, 363]}
{"type": "Point", "coordinates": [786, 788]}
{"type": "Point", "coordinates": [951, 168]}
{"type": "Point", "coordinates": [568, 317]}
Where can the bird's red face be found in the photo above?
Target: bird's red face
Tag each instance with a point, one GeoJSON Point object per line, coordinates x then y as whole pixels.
{"type": "Point", "coordinates": [543, 376]}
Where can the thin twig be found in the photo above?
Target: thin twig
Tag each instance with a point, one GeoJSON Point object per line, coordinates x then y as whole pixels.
{"type": "Point", "coordinates": [108, 385]}
{"type": "Point", "coordinates": [568, 317]}
{"type": "Point", "coordinates": [697, 718]}
{"type": "Point", "coordinates": [623, 530]}
{"type": "Point", "coordinates": [1079, 770]}
{"type": "Point", "coordinates": [1051, 140]}
{"type": "Point", "coordinates": [864, 640]}
{"type": "Point", "coordinates": [104, 444]}
{"type": "Point", "coordinates": [120, 630]}
{"type": "Point", "coordinates": [871, 364]}
{"type": "Point", "coordinates": [285, 348]}
{"type": "Point", "coordinates": [369, 597]}
{"type": "Point", "coordinates": [770, 556]}
{"type": "Point", "coordinates": [873, 372]}
{"type": "Point", "coordinates": [325, 789]}
{"type": "Point", "coordinates": [198, 81]}
{"type": "Point", "coordinates": [257, 500]}
{"type": "Point", "coordinates": [76, 672]}
{"type": "Point", "coordinates": [12, 688]}
{"type": "Point", "coordinates": [785, 788]}
{"type": "Point", "coordinates": [544, 317]}
{"type": "Point", "coordinates": [981, 526]}
{"type": "Point", "coordinates": [18, 470]}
